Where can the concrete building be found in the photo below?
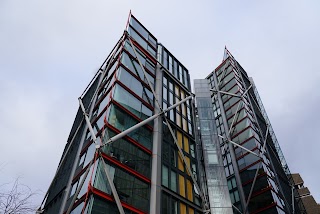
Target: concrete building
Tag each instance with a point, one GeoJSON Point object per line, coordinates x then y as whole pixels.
{"type": "Point", "coordinates": [312, 207]}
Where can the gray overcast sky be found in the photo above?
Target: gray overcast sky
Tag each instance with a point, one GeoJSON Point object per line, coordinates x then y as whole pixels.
{"type": "Point", "coordinates": [49, 51]}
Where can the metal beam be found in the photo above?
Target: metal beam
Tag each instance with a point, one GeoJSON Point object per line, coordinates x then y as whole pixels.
{"type": "Point", "coordinates": [229, 145]}
{"type": "Point", "coordinates": [79, 188]}
{"type": "Point", "coordinates": [93, 135]}
{"type": "Point", "coordinates": [238, 145]}
{"type": "Point", "coordinates": [257, 171]}
{"type": "Point", "coordinates": [278, 154]}
{"type": "Point", "coordinates": [155, 191]}
{"type": "Point", "coordinates": [186, 165]}
{"type": "Point", "coordinates": [169, 126]}
{"type": "Point", "coordinates": [236, 208]}
{"type": "Point", "coordinates": [92, 101]}
{"type": "Point", "coordinates": [113, 188]}
{"type": "Point", "coordinates": [60, 164]}
{"type": "Point", "coordinates": [235, 118]}
{"type": "Point", "coordinates": [222, 76]}
{"type": "Point", "coordinates": [224, 92]}
{"type": "Point", "coordinates": [144, 122]}
{"type": "Point", "coordinates": [145, 73]}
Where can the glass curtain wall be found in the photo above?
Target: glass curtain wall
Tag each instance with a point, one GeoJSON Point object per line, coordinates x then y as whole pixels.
{"type": "Point", "coordinates": [179, 194]}
{"type": "Point", "coordinates": [215, 180]}
{"type": "Point", "coordinates": [243, 129]}
{"type": "Point", "coordinates": [124, 99]}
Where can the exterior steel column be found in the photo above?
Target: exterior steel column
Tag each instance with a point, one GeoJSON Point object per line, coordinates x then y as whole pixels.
{"type": "Point", "coordinates": [267, 151]}
{"type": "Point", "coordinates": [230, 146]}
{"type": "Point", "coordinates": [76, 160]}
{"type": "Point", "coordinates": [155, 196]}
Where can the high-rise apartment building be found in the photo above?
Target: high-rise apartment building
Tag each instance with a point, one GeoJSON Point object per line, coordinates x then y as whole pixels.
{"type": "Point", "coordinates": [142, 142]}
{"type": "Point", "coordinates": [258, 177]}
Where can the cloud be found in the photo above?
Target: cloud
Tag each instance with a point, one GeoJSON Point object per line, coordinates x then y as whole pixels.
{"type": "Point", "coordinates": [297, 127]}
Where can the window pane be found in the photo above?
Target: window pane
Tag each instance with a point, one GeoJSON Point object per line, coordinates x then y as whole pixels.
{"type": "Point", "coordinates": [90, 154]}
{"type": "Point", "coordinates": [170, 64]}
{"type": "Point", "coordinates": [128, 154]}
{"type": "Point", "coordinates": [173, 181]}
{"type": "Point", "coordinates": [164, 207]}
{"type": "Point", "coordinates": [131, 103]}
{"type": "Point", "coordinates": [139, 28]}
{"type": "Point", "coordinates": [138, 38]}
{"type": "Point", "coordinates": [130, 189]}
{"type": "Point", "coordinates": [123, 121]}
{"type": "Point", "coordinates": [186, 144]}
{"type": "Point", "coordinates": [165, 176]}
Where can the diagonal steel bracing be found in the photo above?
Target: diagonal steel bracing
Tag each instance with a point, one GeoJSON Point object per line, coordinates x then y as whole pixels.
{"type": "Point", "coordinates": [124, 133]}
{"type": "Point", "coordinates": [231, 129]}
{"type": "Point", "coordinates": [86, 117]}
{"type": "Point", "coordinates": [206, 207]}
{"type": "Point", "coordinates": [110, 57]}
{"type": "Point", "coordinates": [222, 76]}
{"type": "Point", "coordinates": [113, 189]}
{"type": "Point", "coordinates": [238, 145]}
{"type": "Point", "coordinates": [224, 92]}
{"type": "Point", "coordinates": [79, 187]}
{"type": "Point", "coordinates": [235, 118]}
{"type": "Point", "coordinates": [257, 171]}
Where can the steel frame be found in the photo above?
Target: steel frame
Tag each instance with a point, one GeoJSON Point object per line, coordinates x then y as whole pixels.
{"type": "Point", "coordinates": [98, 147]}
{"type": "Point", "coordinates": [180, 152]}
{"type": "Point", "coordinates": [278, 153]}
{"type": "Point", "coordinates": [124, 133]}
{"type": "Point", "coordinates": [268, 131]}
{"type": "Point", "coordinates": [204, 201]}
{"type": "Point", "coordinates": [100, 71]}
{"type": "Point", "coordinates": [230, 131]}
{"type": "Point", "coordinates": [88, 124]}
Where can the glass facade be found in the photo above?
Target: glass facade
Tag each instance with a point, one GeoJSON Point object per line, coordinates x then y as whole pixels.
{"type": "Point", "coordinates": [182, 162]}
{"type": "Point", "coordinates": [215, 179]}
{"type": "Point", "coordinates": [179, 194]}
{"type": "Point", "coordinates": [252, 176]}
{"type": "Point", "coordinates": [124, 99]}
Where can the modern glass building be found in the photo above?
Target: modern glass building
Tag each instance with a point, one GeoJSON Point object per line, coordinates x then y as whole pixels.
{"type": "Point", "coordinates": [142, 142]}
{"type": "Point", "coordinates": [258, 177]}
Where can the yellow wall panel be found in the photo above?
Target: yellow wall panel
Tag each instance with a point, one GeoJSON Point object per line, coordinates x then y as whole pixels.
{"type": "Point", "coordinates": [189, 190]}
{"type": "Point", "coordinates": [182, 188]}
{"type": "Point", "coordinates": [185, 125]}
{"type": "Point", "coordinates": [188, 163]}
{"type": "Point", "coordinates": [191, 211]}
{"type": "Point", "coordinates": [186, 144]}
{"type": "Point", "coordinates": [179, 138]}
{"type": "Point", "coordinates": [180, 164]}
{"type": "Point", "coordinates": [183, 208]}
{"type": "Point", "coordinates": [178, 119]}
